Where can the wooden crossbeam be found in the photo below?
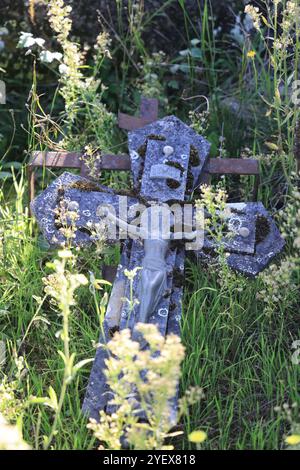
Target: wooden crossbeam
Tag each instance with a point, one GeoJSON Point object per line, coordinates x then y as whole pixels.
{"type": "Point", "coordinates": [148, 114]}
{"type": "Point", "coordinates": [73, 160]}
{"type": "Point", "coordinates": [232, 166]}
{"type": "Point", "coordinates": [214, 166]}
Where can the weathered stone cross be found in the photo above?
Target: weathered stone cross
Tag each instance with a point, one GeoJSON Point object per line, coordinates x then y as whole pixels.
{"type": "Point", "coordinates": [168, 160]}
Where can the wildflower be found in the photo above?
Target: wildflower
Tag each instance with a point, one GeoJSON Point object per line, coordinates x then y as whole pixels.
{"type": "Point", "coordinates": [151, 85]}
{"type": "Point", "coordinates": [278, 285]}
{"type": "Point", "coordinates": [251, 54]}
{"type": "Point", "coordinates": [26, 40]}
{"type": "Point", "coordinates": [152, 375]}
{"type": "Point", "coordinates": [200, 120]}
{"type": "Point", "coordinates": [130, 274]}
{"type": "Point", "coordinates": [65, 254]}
{"type": "Point", "coordinates": [48, 57]}
{"type": "Point", "coordinates": [66, 217]}
{"type": "Point", "coordinates": [61, 284]}
{"type": "Point", "coordinates": [92, 159]}
{"type": "Point", "coordinates": [254, 14]}
{"type": "Point", "coordinates": [96, 283]}
{"type": "Point", "coordinates": [63, 69]}
{"type": "Point", "coordinates": [293, 439]}
{"type": "Point", "coordinates": [77, 90]}
{"type": "Point", "coordinates": [98, 235]}
{"type": "Point", "coordinates": [103, 42]}
{"type": "Point", "coordinates": [59, 18]}
{"type": "Point", "coordinates": [197, 437]}
{"type": "Point", "coordinates": [11, 404]}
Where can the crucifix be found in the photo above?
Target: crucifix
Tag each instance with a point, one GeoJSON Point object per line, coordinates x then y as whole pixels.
{"type": "Point", "coordinates": [156, 225]}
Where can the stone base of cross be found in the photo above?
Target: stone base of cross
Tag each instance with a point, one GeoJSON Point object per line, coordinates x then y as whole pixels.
{"type": "Point", "coordinates": [168, 161]}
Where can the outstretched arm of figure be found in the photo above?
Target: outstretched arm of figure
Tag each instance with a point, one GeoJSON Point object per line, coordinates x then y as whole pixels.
{"type": "Point", "coordinates": [187, 235]}
{"type": "Point", "coordinates": [131, 229]}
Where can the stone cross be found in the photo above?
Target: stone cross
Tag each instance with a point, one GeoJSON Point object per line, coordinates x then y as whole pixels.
{"type": "Point", "coordinates": [168, 160]}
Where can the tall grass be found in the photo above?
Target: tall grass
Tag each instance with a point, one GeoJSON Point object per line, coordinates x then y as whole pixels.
{"type": "Point", "coordinates": [238, 333]}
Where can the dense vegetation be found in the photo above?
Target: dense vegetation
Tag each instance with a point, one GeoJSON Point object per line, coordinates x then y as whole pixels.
{"type": "Point", "coordinates": [235, 82]}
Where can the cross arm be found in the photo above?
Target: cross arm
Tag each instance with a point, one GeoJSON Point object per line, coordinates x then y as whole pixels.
{"type": "Point", "coordinates": [75, 160]}
{"type": "Point", "coordinates": [63, 159]}
{"type": "Point", "coordinates": [148, 114]}
{"type": "Point", "coordinates": [232, 166]}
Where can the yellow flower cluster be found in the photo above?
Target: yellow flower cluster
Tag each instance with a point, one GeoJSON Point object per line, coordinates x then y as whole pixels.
{"type": "Point", "coordinates": [59, 18]}
{"type": "Point", "coordinates": [103, 42]}
{"type": "Point", "coordinates": [66, 218]}
{"type": "Point", "coordinates": [10, 406]}
{"type": "Point", "coordinates": [278, 287]}
{"type": "Point", "coordinates": [255, 15]}
{"type": "Point", "coordinates": [61, 285]}
{"type": "Point", "coordinates": [213, 200]}
{"type": "Point", "coordinates": [11, 403]}
{"type": "Point", "coordinates": [142, 381]}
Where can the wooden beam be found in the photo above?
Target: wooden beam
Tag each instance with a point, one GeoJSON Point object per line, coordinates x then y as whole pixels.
{"type": "Point", "coordinates": [76, 160]}
{"type": "Point", "coordinates": [55, 159]}
{"type": "Point", "coordinates": [232, 166]}
{"type": "Point", "coordinates": [148, 114]}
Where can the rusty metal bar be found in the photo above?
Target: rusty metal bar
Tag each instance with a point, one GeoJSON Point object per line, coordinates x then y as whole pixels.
{"type": "Point", "coordinates": [115, 162]}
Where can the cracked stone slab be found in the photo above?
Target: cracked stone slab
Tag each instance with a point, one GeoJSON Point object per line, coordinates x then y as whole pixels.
{"type": "Point", "coordinates": [170, 183]}
{"type": "Point", "coordinates": [268, 242]}
{"type": "Point", "coordinates": [97, 392]}
{"type": "Point", "coordinates": [82, 194]}
{"type": "Point", "coordinates": [171, 132]}
{"type": "Point", "coordinates": [242, 231]}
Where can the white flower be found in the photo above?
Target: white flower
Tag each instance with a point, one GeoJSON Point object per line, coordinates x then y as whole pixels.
{"type": "Point", "coordinates": [39, 41]}
{"type": "Point", "coordinates": [27, 40]}
{"type": "Point", "coordinates": [48, 57]}
{"type": "Point", "coordinates": [63, 69]}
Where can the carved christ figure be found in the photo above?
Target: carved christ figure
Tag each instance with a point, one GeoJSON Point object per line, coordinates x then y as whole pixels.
{"type": "Point", "coordinates": [155, 230]}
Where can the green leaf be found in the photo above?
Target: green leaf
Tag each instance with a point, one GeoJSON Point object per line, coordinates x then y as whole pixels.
{"type": "Point", "coordinates": [196, 53]}
{"type": "Point", "coordinates": [185, 52]}
{"type": "Point", "coordinates": [53, 403]}
{"type": "Point", "coordinates": [81, 364]}
{"type": "Point", "coordinates": [62, 356]}
{"type": "Point", "coordinates": [4, 175]}
{"type": "Point", "coordinates": [173, 84]}
{"type": "Point", "coordinates": [16, 165]}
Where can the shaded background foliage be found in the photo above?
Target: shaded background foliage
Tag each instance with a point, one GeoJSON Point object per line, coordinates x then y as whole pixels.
{"type": "Point", "coordinates": [167, 27]}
